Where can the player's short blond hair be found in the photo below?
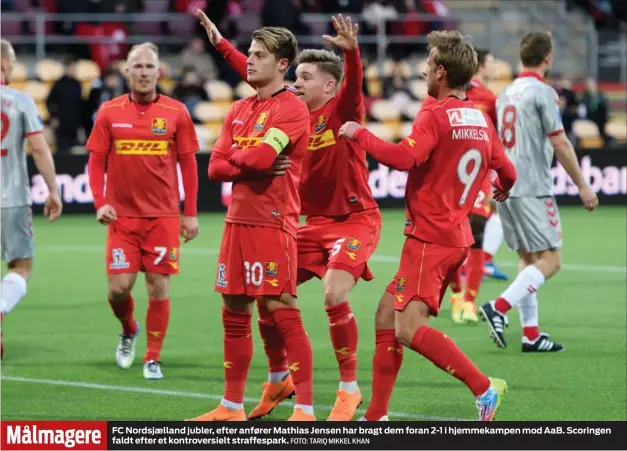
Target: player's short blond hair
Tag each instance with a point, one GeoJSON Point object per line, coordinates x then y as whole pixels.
{"type": "Point", "coordinates": [279, 41]}
{"type": "Point", "coordinates": [5, 48]}
{"type": "Point", "coordinates": [456, 54]}
{"type": "Point", "coordinates": [535, 47]}
{"type": "Point", "coordinates": [325, 61]}
{"type": "Point", "coordinates": [144, 45]}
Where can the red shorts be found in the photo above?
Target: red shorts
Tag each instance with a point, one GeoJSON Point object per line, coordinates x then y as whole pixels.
{"type": "Point", "coordinates": [346, 244]}
{"type": "Point", "coordinates": [483, 204]}
{"type": "Point", "coordinates": [256, 261]}
{"type": "Point", "coordinates": [424, 273]}
{"type": "Point", "coordinates": [143, 244]}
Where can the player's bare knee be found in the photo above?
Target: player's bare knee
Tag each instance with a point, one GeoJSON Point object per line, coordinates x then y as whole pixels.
{"type": "Point", "coordinates": [273, 303]}
{"type": "Point", "coordinates": [120, 286]}
{"type": "Point", "coordinates": [23, 267]}
{"type": "Point", "coordinates": [407, 322]}
{"type": "Point", "coordinates": [157, 286]}
{"type": "Point", "coordinates": [337, 286]}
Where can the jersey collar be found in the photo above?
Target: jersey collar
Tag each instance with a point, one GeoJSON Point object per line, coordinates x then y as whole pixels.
{"type": "Point", "coordinates": [528, 73]}
{"type": "Point", "coordinates": [130, 99]}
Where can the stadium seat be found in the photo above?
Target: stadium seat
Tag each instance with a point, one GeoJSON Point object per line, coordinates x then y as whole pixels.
{"type": "Point", "coordinates": [166, 69]}
{"type": "Point", "coordinates": [371, 72]}
{"type": "Point", "coordinates": [209, 112]}
{"type": "Point", "coordinates": [20, 73]}
{"type": "Point", "coordinates": [206, 137]}
{"type": "Point", "coordinates": [418, 88]}
{"type": "Point", "coordinates": [585, 129]}
{"type": "Point", "coordinates": [412, 109]}
{"type": "Point", "coordinates": [87, 70]}
{"type": "Point", "coordinates": [502, 70]}
{"type": "Point", "coordinates": [384, 110]}
{"type": "Point", "coordinates": [405, 129]}
{"type": "Point", "coordinates": [219, 90]}
{"type": "Point", "coordinates": [48, 70]}
{"type": "Point", "coordinates": [375, 87]}
{"type": "Point", "coordinates": [617, 129]}
{"type": "Point", "coordinates": [380, 130]}
{"type": "Point", "coordinates": [37, 90]}
{"type": "Point", "coordinates": [167, 85]}
{"type": "Point", "coordinates": [243, 90]}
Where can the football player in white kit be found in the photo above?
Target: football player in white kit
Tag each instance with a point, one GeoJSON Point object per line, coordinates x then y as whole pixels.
{"type": "Point", "coordinates": [20, 122]}
{"type": "Point", "coordinates": [530, 127]}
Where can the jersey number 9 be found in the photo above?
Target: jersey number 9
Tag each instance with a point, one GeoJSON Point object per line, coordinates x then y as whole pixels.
{"type": "Point", "coordinates": [468, 178]}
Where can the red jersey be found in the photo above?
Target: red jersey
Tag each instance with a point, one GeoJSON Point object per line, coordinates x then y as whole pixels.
{"type": "Point", "coordinates": [335, 174]}
{"type": "Point", "coordinates": [477, 93]}
{"type": "Point", "coordinates": [272, 201]}
{"type": "Point", "coordinates": [142, 142]}
{"type": "Point", "coordinates": [451, 147]}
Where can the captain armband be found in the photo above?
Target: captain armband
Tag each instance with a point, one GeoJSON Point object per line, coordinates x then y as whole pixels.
{"type": "Point", "coordinates": [277, 139]}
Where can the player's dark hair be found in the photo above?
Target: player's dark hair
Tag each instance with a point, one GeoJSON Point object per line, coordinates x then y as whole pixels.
{"type": "Point", "coordinates": [279, 41]}
{"type": "Point", "coordinates": [325, 61]}
{"type": "Point", "coordinates": [456, 54]}
{"type": "Point", "coordinates": [535, 47]}
{"type": "Point", "coordinates": [482, 56]}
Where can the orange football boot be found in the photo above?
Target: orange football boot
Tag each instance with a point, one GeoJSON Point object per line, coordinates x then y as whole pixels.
{"type": "Point", "coordinates": [273, 394]}
{"type": "Point", "coordinates": [299, 415]}
{"type": "Point", "coordinates": [345, 406]}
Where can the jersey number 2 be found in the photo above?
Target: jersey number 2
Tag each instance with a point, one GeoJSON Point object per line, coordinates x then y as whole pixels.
{"type": "Point", "coordinates": [468, 178]}
{"type": "Point", "coordinates": [508, 129]}
{"type": "Point", "coordinates": [5, 130]}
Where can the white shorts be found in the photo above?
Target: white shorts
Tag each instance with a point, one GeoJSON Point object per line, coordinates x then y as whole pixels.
{"type": "Point", "coordinates": [531, 224]}
{"type": "Point", "coordinates": [16, 230]}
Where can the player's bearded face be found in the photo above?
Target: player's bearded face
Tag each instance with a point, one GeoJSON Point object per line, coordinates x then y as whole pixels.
{"type": "Point", "coordinates": [263, 67]}
{"type": "Point", "coordinates": [143, 71]}
{"type": "Point", "coordinates": [312, 85]}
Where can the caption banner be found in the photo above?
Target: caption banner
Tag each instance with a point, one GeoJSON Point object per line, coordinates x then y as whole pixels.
{"type": "Point", "coordinates": [21, 435]}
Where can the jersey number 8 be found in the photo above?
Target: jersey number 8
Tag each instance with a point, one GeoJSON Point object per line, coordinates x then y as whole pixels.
{"type": "Point", "coordinates": [508, 129]}
{"type": "Point", "coordinates": [465, 177]}
{"type": "Point", "coordinates": [5, 130]}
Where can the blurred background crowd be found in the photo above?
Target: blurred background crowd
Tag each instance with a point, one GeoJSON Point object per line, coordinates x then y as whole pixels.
{"type": "Point", "coordinates": [72, 54]}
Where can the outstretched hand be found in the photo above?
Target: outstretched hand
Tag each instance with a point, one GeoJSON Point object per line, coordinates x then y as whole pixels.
{"type": "Point", "coordinates": [346, 33]}
{"type": "Point", "coordinates": [212, 31]}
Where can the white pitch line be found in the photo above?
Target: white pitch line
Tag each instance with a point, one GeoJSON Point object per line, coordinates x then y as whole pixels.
{"type": "Point", "coordinates": [186, 394]}
{"type": "Point", "coordinates": [376, 258]}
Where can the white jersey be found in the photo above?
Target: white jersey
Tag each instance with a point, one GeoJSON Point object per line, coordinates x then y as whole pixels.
{"type": "Point", "coordinates": [19, 119]}
{"type": "Point", "coordinates": [528, 114]}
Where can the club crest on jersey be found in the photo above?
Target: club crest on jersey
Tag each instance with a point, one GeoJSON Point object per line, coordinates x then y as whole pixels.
{"type": "Point", "coordinates": [174, 254]}
{"type": "Point", "coordinates": [321, 122]}
{"type": "Point", "coordinates": [400, 283]}
{"type": "Point", "coordinates": [272, 269]}
{"type": "Point", "coordinates": [353, 244]}
{"type": "Point", "coordinates": [261, 122]}
{"type": "Point", "coordinates": [221, 282]}
{"type": "Point", "coordinates": [159, 126]}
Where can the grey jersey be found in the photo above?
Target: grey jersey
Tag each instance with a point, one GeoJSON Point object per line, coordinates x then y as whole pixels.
{"type": "Point", "coordinates": [528, 114]}
{"type": "Point", "coordinates": [19, 119]}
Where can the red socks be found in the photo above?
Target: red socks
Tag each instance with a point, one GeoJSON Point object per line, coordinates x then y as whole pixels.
{"type": "Point", "coordinates": [456, 282]}
{"type": "Point", "coordinates": [502, 306]}
{"type": "Point", "coordinates": [157, 318]}
{"type": "Point", "coordinates": [487, 257]}
{"type": "Point", "coordinates": [123, 310]}
{"type": "Point", "coordinates": [531, 333]}
{"type": "Point", "coordinates": [238, 352]}
{"type": "Point", "coordinates": [474, 274]}
{"type": "Point", "coordinates": [299, 355]}
{"type": "Point", "coordinates": [272, 341]}
{"type": "Point", "coordinates": [344, 337]}
{"type": "Point", "coordinates": [445, 354]}
{"type": "Point", "coordinates": [386, 363]}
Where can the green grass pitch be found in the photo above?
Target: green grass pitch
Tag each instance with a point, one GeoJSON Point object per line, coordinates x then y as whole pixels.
{"type": "Point", "coordinates": [60, 341]}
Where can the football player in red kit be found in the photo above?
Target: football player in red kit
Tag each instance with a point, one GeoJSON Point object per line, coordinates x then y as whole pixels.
{"type": "Point", "coordinates": [463, 307]}
{"type": "Point", "coordinates": [448, 154]}
{"type": "Point", "coordinates": [258, 257]}
{"type": "Point", "coordinates": [343, 220]}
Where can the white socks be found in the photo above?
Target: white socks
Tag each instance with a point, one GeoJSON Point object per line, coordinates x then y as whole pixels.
{"type": "Point", "coordinates": [13, 290]}
{"type": "Point", "coordinates": [231, 405]}
{"type": "Point", "coordinates": [528, 309]}
{"type": "Point", "coordinates": [349, 387]}
{"type": "Point", "coordinates": [493, 235]}
{"type": "Point", "coordinates": [528, 281]}
{"type": "Point", "coordinates": [275, 378]}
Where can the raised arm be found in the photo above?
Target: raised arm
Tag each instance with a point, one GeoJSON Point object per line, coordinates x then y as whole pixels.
{"type": "Point", "coordinates": [236, 59]}
{"type": "Point", "coordinates": [350, 94]}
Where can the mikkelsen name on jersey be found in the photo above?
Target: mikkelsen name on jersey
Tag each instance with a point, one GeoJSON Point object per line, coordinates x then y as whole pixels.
{"type": "Point", "coordinates": [470, 133]}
